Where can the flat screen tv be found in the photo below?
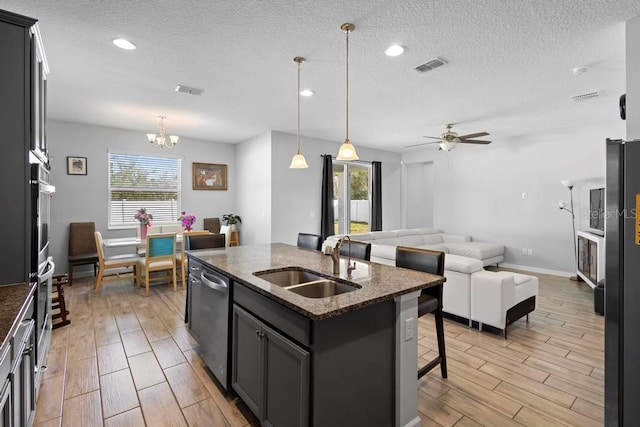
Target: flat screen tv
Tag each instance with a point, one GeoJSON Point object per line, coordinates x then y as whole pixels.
{"type": "Point", "coordinates": [596, 210]}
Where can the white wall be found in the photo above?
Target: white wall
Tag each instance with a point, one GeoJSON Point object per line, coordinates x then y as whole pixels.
{"type": "Point", "coordinates": [254, 189]}
{"type": "Point", "coordinates": [296, 193]}
{"type": "Point", "coordinates": [633, 78]}
{"type": "Point", "coordinates": [418, 182]}
{"type": "Point", "coordinates": [82, 198]}
{"type": "Point", "coordinates": [478, 190]}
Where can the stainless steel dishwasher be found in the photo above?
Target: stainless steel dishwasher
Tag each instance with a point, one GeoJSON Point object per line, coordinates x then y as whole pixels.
{"type": "Point", "coordinates": [209, 317]}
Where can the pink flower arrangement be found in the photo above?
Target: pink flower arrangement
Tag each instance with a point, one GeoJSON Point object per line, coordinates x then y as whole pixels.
{"type": "Point", "coordinates": [144, 217]}
{"type": "Point", "coordinates": [187, 220]}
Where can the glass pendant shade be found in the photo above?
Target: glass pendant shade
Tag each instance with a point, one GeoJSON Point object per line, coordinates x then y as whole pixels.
{"type": "Point", "coordinates": [347, 152]}
{"type": "Point", "coordinates": [449, 145]}
{"type": "Point", "coordinates": [298, 162]}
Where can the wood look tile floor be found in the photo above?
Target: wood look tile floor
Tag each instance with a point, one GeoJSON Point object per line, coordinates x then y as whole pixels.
{"type": "Point", "coordinates": [128, 360]}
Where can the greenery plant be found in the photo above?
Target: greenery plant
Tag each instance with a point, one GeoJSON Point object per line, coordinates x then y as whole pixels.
{"type": "Point", "coordinates": [230, 219]}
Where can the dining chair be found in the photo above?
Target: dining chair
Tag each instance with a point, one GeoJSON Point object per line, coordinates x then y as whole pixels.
{"type": "Point", "coordinates": [112, 262]}
{"type": "Point", "coordinates": [359, 250]}
{"type": "Point", "coordinates": [82, 247]}
{"type": "Point", "coordinates": [194, 241]}
{"type": "Point", "coordinates": [212, 224]}
{"type": "Point", "coordinates": [181, 258]}
{"type": "Point", "coordinates": [160, 255]}
{"type": "Point", "coordinates": [309, 241]}
{"type": "Point", "coordinates": [430, 299]}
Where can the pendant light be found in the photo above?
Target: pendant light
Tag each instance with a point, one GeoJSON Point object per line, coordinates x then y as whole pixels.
{"type": "Point", "coordinates": [298, 161]}
{"type": "Point", "coordinates": [347, 150]}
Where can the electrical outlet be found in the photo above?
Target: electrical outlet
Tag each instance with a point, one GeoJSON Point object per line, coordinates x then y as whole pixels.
{"type": "Point", "coordinates": [524, 251]}
{"type": "Point", "coordinates": [525, 195]}
{"type": "Point", "coordinates": [529, 251]}
{"type": "Point", "coordinates": [312, 214]}
{"type": "Point", "coordinates": [408, 329]}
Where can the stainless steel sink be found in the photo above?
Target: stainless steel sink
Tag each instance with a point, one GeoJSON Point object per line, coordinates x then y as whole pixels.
{"type": "Point", "coordinates": [289, 277]}
{"type": "Point", "coordinates": [306, 283]}
{"type": "Point", "coordinates": [321, 289]}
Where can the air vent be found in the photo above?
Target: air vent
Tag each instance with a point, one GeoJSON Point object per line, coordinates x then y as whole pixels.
{"type": "Point", "coordinates": [587, 96]}
{"type": "Point", "coordinates": [430, 65]}
{"type": "Point", "coordinates": [189, 90]}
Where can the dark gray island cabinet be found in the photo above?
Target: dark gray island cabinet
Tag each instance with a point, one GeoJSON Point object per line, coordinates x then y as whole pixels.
{"type": "Point", "coordinates": [347, 359]}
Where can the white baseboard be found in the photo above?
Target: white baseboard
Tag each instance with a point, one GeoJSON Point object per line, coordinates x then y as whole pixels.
{"type": "Point", "coordinates": [538, 270]}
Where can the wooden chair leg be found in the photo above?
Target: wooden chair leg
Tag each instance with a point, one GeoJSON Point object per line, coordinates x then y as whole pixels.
{"type": "Point", "coordinates": [175, 282]}
{"type": "Point", "coordinates": [99, 277]}
{"type": "Point", "coordinates": [146, 281]}
{"type": "Point", "coordinates": [70, 274]}
{"type": "Point", "coordinates": [440, 335]}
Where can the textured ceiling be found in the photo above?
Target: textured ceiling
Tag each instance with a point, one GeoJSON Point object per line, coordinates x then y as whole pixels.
{"type": "Point", "coordinates": [508, 71]}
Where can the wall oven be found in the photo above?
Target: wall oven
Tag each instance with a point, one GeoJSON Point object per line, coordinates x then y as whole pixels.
{"type": "Point", "coordinates": [42, 265]}
{"type": "Point", "coordinates": [41, 192]}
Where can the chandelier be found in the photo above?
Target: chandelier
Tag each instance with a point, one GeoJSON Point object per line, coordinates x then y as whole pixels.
{"type": "Point", "coordinates": [161, 137]}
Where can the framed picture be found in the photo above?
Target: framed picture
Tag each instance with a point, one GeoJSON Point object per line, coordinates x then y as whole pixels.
{"type": "Point", "coordinates": [76, 165]}
{"type": "Point", "coordinates": [208, 176]}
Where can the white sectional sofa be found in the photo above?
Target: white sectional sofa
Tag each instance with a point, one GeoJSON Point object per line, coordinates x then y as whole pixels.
{"type": "Point", "coordinates": [470, 292]}
{"type": "Point", "coordinates": [383, 244]}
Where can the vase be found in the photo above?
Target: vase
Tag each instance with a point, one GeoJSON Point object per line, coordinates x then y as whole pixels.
{"type": "Point", "coordinates": [233, 226]}
{"type": "Point", "coordinates": [188, 228]}
{"type": "Point", "coordinates": [143, 231]}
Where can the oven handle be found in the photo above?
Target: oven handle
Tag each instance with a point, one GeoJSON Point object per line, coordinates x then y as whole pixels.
{"type": "Point", "coordinates": [48, 273]}
{"type": "Point", "coordinates": [213, 283]}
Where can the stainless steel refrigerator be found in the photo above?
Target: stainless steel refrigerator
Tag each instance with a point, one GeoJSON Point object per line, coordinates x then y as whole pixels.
{"type": "Point", "coordinates": [622, 284]}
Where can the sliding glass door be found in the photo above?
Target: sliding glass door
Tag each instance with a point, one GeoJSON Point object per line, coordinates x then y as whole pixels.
{"type": "Point", "coordinates": [352, 197]}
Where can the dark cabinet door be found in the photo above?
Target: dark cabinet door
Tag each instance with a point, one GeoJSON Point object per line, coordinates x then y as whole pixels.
{"type": "Point", "coordinates": [286, 381]}
{"type": "Point", "coordinates": [247, 356]}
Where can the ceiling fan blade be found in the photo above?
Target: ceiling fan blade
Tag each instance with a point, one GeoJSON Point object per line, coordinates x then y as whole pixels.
{"type": "Point", "coordinates": [422, 143]}
{"type": "Point", "coordinates": [473, 135]}
{"type": "Point", "coordinates": [474, 141]}
{"type": "Point", "coordinates": [432, 137]}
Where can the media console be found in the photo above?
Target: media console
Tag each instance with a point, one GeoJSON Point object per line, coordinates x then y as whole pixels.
{"type": "Point", "coordinates": [590, 257]}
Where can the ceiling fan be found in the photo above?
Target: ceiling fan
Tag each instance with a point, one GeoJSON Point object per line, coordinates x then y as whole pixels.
{"type": "Point", "coordinates": [449, 139]}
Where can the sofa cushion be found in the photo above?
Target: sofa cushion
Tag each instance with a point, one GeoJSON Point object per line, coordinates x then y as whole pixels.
{"type": "Point", "coordinates": [392, 241]}
{"type": "Point", "coordinates": [462, 264]}
{"type": "Point", "coordinates": [364, 237]}
{"type": "Point", "coordinates": [377, 235]}
{"type": "Point", "coordinates": [478, 250]}
{"type": "Point", "coordinates": [412, 240]}
{"type": "Point", "coordinates": [428, 239]}
{"type": "Point", "coordinates": [416, 232]}
{"type": "Point", "coordinates": [383, 251]}
{"type": "Point", "coordinates": [441, 247]}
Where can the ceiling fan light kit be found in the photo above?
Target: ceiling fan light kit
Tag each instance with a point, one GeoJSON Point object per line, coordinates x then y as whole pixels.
{"type": "Point", "coordinates": [449, 140]}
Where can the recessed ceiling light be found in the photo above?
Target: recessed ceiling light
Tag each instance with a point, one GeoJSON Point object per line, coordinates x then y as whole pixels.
{"type": "Point", "coordinates": [394, 50]}
{"type": "Point", "coordinates": [124, 44]}
{"type": "Point", "coordinates": [307, 92]}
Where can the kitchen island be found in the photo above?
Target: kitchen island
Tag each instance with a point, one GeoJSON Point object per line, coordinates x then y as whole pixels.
{"type": "Point", "coordinates": [346, 359]}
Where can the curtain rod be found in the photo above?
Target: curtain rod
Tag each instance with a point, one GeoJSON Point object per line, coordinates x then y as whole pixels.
{"type": "Point", "coordinates": [364, 162]}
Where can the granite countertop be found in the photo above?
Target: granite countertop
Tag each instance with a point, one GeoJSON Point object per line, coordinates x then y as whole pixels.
{"type": "Point", "coordinates": [378, 282]}
{"type": "Point", "coordinates": [12, 304]}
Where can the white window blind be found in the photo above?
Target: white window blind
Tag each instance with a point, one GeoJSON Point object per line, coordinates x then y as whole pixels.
{"type": "Point", "coordinates": [137, 181]}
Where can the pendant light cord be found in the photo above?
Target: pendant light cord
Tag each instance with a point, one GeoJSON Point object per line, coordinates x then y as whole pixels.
{"type": "Point", "coordinates": [298, 131]}
{"type": "Point", "coordinates": [347, 103]}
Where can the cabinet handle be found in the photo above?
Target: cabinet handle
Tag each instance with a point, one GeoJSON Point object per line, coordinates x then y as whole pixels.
{"type": "Point", "coordinates": [27, 350]}
{"type": "Point", "coordinates": [259, 333]}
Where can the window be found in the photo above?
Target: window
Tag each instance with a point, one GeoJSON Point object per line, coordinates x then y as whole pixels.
{"type": "Point", "coordinates": [352, 197]}
{"type": "Point", "coordinates": [137, 181]}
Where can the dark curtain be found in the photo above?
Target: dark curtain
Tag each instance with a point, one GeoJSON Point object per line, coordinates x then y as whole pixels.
{"type": "Point", "coordinates": [326, 217]}
{"type": "Point", "coordinates": [376, 196]}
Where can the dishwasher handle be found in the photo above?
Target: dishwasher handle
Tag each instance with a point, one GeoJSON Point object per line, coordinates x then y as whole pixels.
{"type": "Point", "coordinates": [214, 283]}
